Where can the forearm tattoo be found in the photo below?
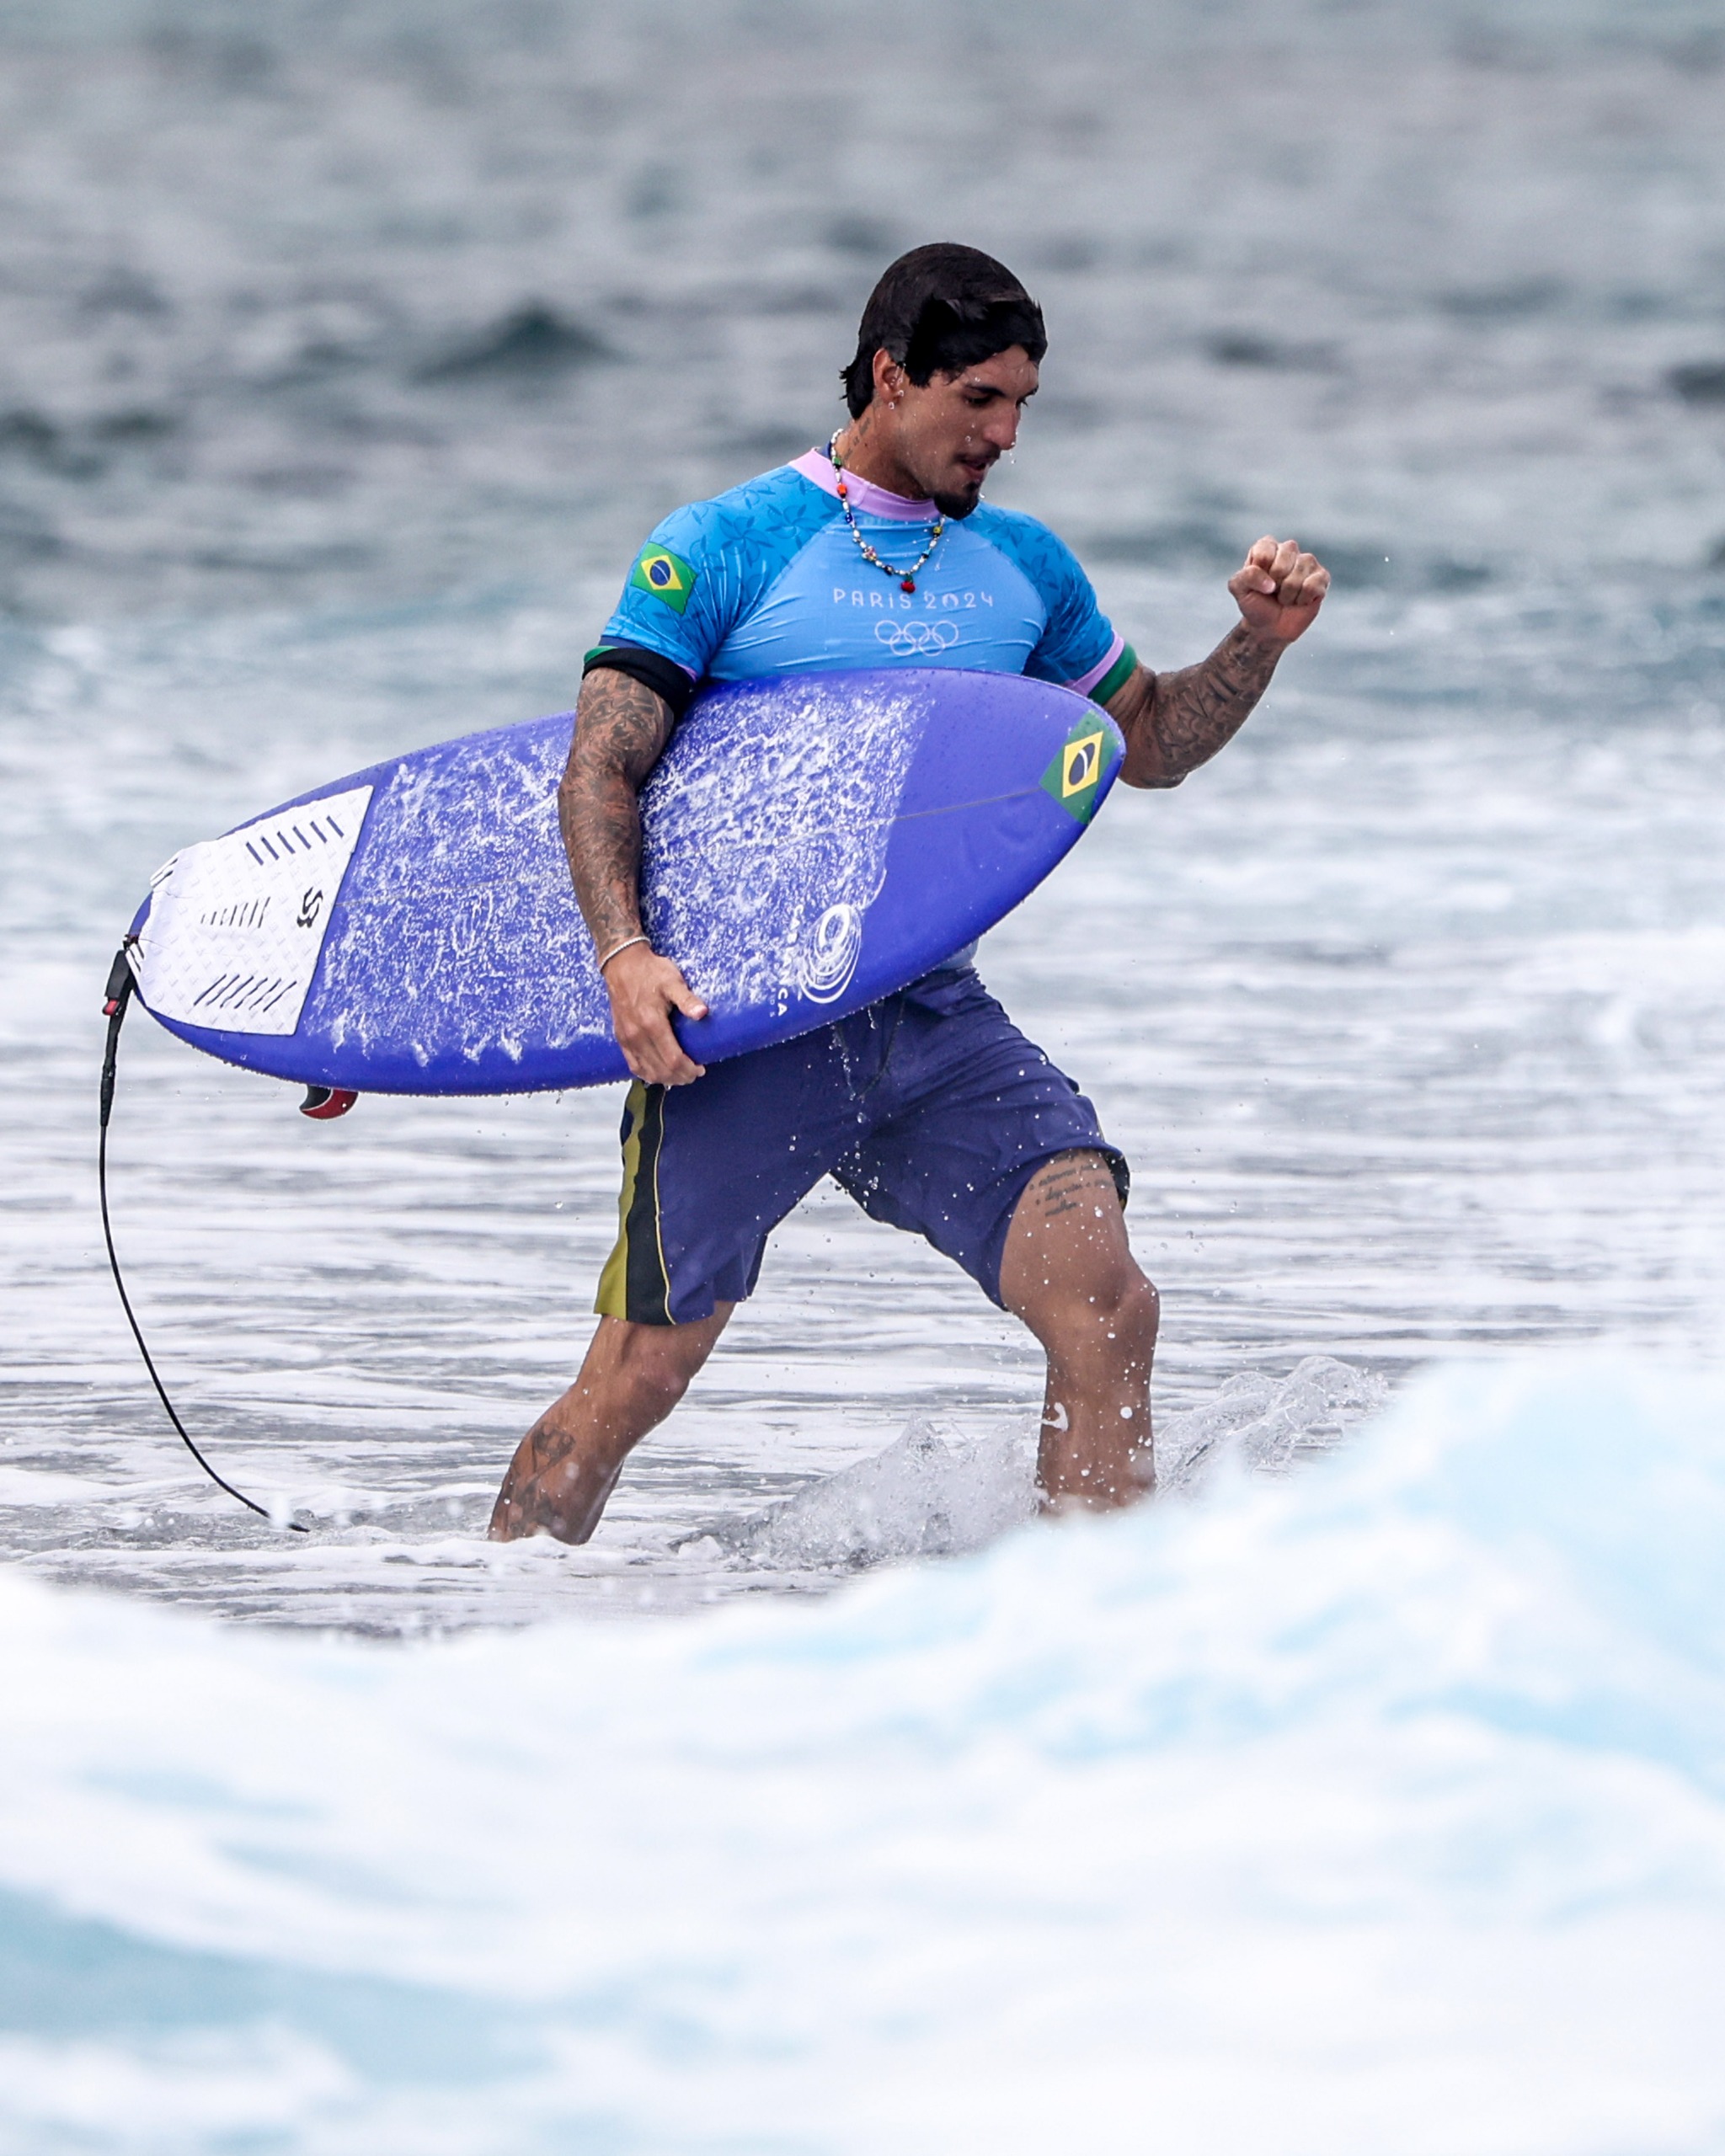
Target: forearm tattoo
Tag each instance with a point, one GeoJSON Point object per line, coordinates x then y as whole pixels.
{"type": "Point", "coordinates": [1179, 721]}
{"type": "Point", "coordinates": [621, 727]}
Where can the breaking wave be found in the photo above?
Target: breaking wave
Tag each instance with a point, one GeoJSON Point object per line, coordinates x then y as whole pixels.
{"type": "Point", "coordinates": [1376, 1807]}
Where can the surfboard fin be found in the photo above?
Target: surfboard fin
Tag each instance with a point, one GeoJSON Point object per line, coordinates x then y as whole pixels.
{"type": "Point", "coordinates": [323, 1103]}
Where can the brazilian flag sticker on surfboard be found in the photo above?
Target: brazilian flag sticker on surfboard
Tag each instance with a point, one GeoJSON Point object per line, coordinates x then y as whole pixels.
{"type": "Point", "coordinates": [1074, 776]}
{"type": "Point", "coordinates": [666, 575]}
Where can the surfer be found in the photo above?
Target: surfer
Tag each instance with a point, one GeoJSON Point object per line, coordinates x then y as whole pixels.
{"type": "Point", "coordinates": [929, 1107]}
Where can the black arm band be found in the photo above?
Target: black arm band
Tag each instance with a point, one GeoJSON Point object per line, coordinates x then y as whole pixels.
{"type": "Point", "coordinates": [652, 669]}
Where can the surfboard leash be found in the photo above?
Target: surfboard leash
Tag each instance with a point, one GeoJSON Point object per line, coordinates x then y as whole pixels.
{"type": "Point", "coordinates": [121, 985]}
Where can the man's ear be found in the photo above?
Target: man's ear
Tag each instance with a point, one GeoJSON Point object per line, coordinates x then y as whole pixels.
{"type": "Point", "coordinates": [889, 378]}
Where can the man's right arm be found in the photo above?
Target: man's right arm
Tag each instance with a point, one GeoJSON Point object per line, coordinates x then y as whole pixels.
{"type": "Point", "coordinates": [621, 729]}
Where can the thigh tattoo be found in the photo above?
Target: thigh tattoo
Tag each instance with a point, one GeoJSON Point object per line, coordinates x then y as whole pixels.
{"type": "Point", "coordinates": [1070, 1183]}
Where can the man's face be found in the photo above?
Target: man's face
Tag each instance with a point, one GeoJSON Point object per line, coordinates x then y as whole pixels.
{"type": "Point", "coordinates": [951, 433]}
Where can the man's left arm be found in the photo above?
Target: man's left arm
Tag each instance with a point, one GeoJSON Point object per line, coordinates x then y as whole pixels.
{"type": "Point", "coordinates": [1173, 722]}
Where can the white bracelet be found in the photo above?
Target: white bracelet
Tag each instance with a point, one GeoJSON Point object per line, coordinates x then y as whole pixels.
{"type": "Point", "coordinates": [623, 946]}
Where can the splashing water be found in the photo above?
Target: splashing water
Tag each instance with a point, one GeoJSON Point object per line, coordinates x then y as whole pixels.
{"type": "Point", "coordinates": [937, 1493]}
{"type": "Point", "coordinates": [1255, 1422]}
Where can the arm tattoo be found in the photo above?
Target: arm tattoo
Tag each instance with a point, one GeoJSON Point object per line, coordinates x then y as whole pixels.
{"type": "Point", "coordinates": [1173, 722]}
{"type": "Point", "coordinates": [621, 727]}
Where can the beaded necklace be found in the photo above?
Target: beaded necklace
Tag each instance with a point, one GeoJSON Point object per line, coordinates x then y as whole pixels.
{"type": "Point", "coordinates": [907, 578]}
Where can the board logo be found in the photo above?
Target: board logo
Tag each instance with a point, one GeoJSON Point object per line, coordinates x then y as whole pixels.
{"type": "Point", "coordinates": [829, 959]}
{"type": "Point", "coordinates": [1074, 776]}
{"type": "Point", "coordinates": [666, 575]}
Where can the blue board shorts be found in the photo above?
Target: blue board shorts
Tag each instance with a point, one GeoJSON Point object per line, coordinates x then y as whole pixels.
{"type": "Point", "coordinates": [930, 1107]}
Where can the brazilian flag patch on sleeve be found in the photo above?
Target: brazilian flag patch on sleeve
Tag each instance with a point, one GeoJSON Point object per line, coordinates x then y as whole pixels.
{"type": "Point", "coordinates": [666, 575]}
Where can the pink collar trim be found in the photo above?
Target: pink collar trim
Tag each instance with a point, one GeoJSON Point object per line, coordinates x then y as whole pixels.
{"type": "Point", "coordinates": [865, 498]}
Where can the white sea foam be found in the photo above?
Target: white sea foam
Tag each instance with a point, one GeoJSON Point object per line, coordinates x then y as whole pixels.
{"type": "Point", "coordinates": [1379, 1807]}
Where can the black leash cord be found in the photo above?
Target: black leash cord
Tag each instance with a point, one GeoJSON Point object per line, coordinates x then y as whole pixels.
{"type": "Point", "coordinates": [120, 988]}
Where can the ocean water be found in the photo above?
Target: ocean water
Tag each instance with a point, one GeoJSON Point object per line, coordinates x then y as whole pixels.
{"type": "Point", "coordinates": [1363, 1796]}
{"type": "Point", "coordinates": [1376, 1806]}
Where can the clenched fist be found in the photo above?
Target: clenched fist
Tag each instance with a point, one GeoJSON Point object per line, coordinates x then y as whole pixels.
{"type": "Point", "coordinates": [1279, 589]}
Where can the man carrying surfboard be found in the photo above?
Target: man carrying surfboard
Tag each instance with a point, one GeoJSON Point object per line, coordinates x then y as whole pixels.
{"type": "Point", "coordinates": [929, 1107]}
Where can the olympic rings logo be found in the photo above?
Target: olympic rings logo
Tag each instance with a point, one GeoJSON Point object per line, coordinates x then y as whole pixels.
{"type": "Point", "coordinates": [917, 639]}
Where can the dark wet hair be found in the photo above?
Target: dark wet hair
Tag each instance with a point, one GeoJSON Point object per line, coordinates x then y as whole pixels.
{"type": "Point", "coordinates": [938, 310]}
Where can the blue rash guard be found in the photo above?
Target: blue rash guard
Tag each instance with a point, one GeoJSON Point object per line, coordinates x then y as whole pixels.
{"type": "Point", "coordinates": [767, 579]}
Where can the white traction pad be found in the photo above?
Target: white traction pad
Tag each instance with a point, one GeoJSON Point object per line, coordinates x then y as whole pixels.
{"type": "Point", "coordinates": [236, 924]}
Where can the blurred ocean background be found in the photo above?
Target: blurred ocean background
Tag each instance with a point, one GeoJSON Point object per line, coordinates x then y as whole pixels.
{"type": "Point", "coordinates": [1354, 1804]}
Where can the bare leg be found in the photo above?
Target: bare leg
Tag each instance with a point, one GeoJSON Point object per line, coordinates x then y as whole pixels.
{"type": "Point", "coordinates": [1068, 1271]}
{"type": "Point", "coordinates": [567, 1466]}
